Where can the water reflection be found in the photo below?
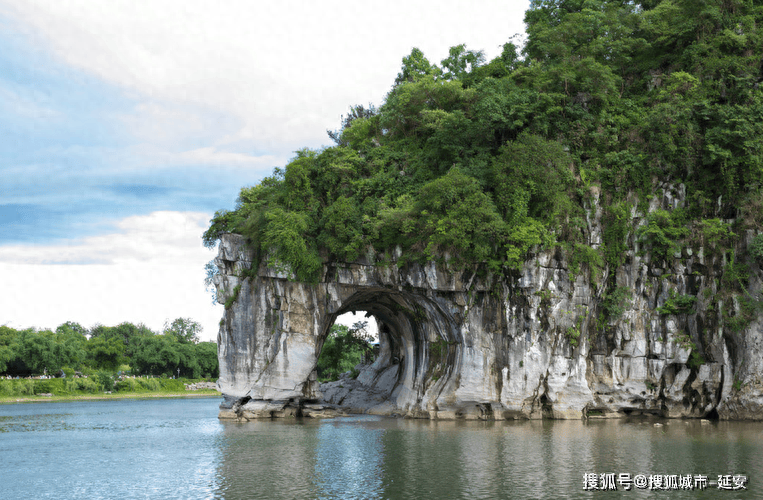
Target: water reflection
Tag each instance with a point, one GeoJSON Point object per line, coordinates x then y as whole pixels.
{"type": "Point", "coordinates": [267, 459]}
{"type": "Point", "coordinates": [109, 449]}
{"type": "Point", "coordinates": [373, 457]}
{"type": "Point", "coordinates": [350, 459]}
{"type": "Point", "coordinates": [179, 449]}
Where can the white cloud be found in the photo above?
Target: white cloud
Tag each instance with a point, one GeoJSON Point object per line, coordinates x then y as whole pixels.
{"type": "Point", "coordinates": [164, 124]}
{"type": "Point", "coordinates": [149, 271]}
{"type": "Point", "coordinates": [286, 70]}
{"type": "Point", "coordinates": [234, 84]}
{"type": "Point", "coordinates": [161, 238]}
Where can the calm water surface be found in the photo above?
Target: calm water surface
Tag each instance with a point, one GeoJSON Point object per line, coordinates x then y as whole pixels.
{"type": "Point", "coordinates": [179, 449]}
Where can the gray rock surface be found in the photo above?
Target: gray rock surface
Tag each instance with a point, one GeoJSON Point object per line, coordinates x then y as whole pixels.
{"type": "Point", "coordinates": [531, 344]}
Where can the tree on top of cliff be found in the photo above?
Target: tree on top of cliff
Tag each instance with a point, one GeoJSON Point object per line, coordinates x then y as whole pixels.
{"type": "Point", "coordinates": [481, 162]}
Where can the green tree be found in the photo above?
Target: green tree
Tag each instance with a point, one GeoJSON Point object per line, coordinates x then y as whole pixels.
{"type": "Point", "coordinates": [460, 62]}
{"type": "Point", "coordinates": [342, 350]}
{"type": "Point", "coordinates": [530, 179]}
{"type": "Point", "coordinates": [341, 231]}
{"type": "Point", "coordinates": [38, 351]}
{"type": "Point", "coordinates": [185, 330]}
{"type": "Point", "coordinates": [8, 341]}
{"type": "Point", "coordinates": [157, 355]}
{"type": "Point", "coordinates": [415, 66]}
{"type": "Point", "coordinates": [106, 352]}
{"type": "Point", "coordinates": [499, 67]}
{"type": "Point", "coordinates": [188, 364]}
{"type": "Point", "coordinates": [663, 232]}
{"type": "Point", "coordinates": [127, 333]}
{"type": "Point", "coordinates": [290, 245]}
{"type": "Point", "coordinates": [206, 356]}
{"type": "Point", "coordinates": [72, 328]}
{"type": "Point", "coordinates": [357, 114]}
{"type": "Point", "coordinates": [458, 218]}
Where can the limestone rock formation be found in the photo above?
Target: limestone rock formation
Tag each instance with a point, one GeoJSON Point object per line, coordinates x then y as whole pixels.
{"type": "Point", "coordinates": [532, 344]}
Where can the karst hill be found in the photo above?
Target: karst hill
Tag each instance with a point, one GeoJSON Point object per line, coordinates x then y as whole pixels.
{"type": "Point", "coordinates": [573, 229]}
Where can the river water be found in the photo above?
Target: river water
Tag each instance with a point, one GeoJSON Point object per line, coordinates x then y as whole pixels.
{"type": "Point", "coordinates": [177, 448]}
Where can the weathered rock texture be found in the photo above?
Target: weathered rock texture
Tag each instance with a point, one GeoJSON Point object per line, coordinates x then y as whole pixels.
{"type": "Point", "coordinates": [529, 345]}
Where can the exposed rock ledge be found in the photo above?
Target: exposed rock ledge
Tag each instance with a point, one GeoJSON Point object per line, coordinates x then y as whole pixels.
{"type": "Point", "coordinates": [454, 345]}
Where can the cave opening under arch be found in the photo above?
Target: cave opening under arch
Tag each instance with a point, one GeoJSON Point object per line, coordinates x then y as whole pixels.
{"type": "Point", "coordinates": [418, 349]}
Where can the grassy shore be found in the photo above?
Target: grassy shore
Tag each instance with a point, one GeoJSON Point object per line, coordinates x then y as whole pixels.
{"type": "Point", "coordinates": [100, 387]}
{"type": "Point", "coordinates": [37, 398]}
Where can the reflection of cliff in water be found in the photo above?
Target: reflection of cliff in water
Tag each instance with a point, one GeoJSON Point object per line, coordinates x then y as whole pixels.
{"type": "Point", "coordinates": [298, 458]}
{"type": "Point", "coordinates": [376, 457]}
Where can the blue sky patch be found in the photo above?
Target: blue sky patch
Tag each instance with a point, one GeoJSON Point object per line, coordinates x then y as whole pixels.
{"type": "Point", "coordinates": [140, 191]}
{"type": "Point", "coordinates": [71, 164]}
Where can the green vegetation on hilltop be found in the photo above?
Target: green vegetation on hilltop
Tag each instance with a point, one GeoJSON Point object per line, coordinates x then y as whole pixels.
{"type": "Point", "coordinates": [478, 162]}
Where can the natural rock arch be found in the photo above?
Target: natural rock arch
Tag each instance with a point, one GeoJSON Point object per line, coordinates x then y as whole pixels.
{"type": "Point", "coordinates": [420, 343]}
{"type": "Point", "coordinates": [271, 336]}
{"type": "Point", "coordinates": [457, 345]}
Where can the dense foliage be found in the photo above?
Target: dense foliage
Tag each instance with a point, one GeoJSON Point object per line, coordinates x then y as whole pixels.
{"type": "Point", "coordinates": [343, 349]}
{"type": "Point", "coordinates": [125, 347]}
{"type": "Point", "coordinates": [478, 162]}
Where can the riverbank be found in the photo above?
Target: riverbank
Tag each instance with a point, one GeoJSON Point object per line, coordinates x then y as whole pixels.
{"type": "Point", "coordinates": [39, 398]}
{"type": "Point", "coordinates": [102, 386]}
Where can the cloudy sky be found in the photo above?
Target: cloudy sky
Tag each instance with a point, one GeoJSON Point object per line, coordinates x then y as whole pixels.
{"type": "Point", "coordinates": [126, 124]}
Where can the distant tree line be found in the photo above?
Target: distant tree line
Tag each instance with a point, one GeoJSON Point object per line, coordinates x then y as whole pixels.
{"type": "Point", "coordinates": [126, 347]}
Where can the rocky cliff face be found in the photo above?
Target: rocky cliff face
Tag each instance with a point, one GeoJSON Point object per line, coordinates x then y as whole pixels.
{"type": "Point", "coordinates": [536, 344]}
